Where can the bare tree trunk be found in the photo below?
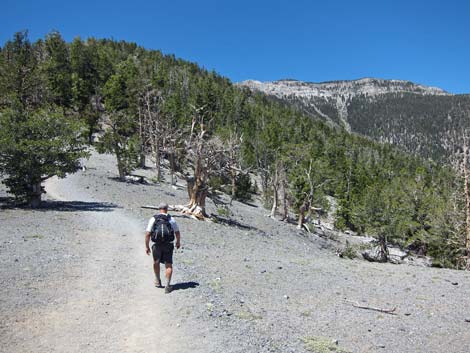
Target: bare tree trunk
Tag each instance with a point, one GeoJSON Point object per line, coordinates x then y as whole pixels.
{"type": "Point", "coordinates": [383, 248]}
{"type": "Point", "coordinates": [142, 140]}
{"type": "Point", "coordinates": [285, 214]}
{"type": "Point", "coordinates": [264, 185]}
{"type": "Point", "coordinates": [275, 192]}
{"type": "Point", "coordinates": [275, 199]}
{"type": "Point", "coordinates": [121, 170]}
{"type": "Point", "coordinates": [198, 196]}
{"type": "Point", "coordinates": [142, 159]}
{"type": "Point", "coordinates": [233, 161]}
{"type": "Point", "coordinates": [90, 136]}
{"type": "Point", "coordinates": [157, 156]}
{"type": "Point", "coordinates": [171, 157]}
{"type": "Point", "coordinates": [120, 164]}
{"type": "Point", "coordinates": [308, 198]}
{"type": "Point", "coordinates": [197, 192]}
{"type": "Point", "coordinates": [302, 211]}
{"type": "Point", "coordinates": [158, 163]}
{"type": "Point", "coordinates": [36, 193]}
{"type": "Point", "coordinates": [233, 177]}
{"type": "Point", "coordinates": [309, 212]}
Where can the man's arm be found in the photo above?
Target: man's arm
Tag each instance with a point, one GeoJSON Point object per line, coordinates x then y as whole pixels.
{"type": "Point", "coordinates": [178, 239]}
{"type": "Point", "coordinates": [147, 242]}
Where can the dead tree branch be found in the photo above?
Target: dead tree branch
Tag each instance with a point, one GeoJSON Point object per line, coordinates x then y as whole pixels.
{"type": "Point", "coordinates": [386, 311]}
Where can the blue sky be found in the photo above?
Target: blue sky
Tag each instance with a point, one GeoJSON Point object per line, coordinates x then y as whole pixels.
{"type": "Point", "coordinates": [422, 41]}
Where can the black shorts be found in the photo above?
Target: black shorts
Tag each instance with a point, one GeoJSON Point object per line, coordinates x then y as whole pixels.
{"type": "Point", "coordinates": [163, 253]}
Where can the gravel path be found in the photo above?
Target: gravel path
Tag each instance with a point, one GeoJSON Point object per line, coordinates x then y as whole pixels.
{"type": "Point", "coordinates": [74, 278]}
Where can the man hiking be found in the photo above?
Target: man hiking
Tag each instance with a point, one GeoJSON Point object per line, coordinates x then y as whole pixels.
{"type": "Point", "coordinates": [162, 229]}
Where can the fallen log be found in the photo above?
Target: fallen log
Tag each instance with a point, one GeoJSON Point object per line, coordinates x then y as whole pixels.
{"type": "Point", "coordinates": [137, 179]}
{"type": "Point", "coordinates": [171, 208]}
{"type": "Point", "coordinates": [194, 212]}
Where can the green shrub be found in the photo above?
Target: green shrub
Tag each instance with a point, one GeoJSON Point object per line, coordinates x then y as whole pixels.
{"type": "Point", "coordinates": [223, 211]}
{"type": "Point", "coordinates": [244, 188]}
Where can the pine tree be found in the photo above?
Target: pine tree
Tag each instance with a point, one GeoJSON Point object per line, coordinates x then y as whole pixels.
{"type": "Point", "coordinates": [37, 141]}
{"type": "Point", "coordinates": [35, 146]}
{"type": "Point", "coordinates": [121, 136]}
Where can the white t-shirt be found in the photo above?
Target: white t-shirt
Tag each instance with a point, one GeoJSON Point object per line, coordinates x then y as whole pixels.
{"type": "Point", "coordinates": [172, 222]}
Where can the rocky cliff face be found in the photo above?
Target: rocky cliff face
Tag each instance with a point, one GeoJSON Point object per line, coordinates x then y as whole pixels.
{"type": "Point", "coordinates": [418, 118]}
{"type": "Point", "coordinates": [346, 89]}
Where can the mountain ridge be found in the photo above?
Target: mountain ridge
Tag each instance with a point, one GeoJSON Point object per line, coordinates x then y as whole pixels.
{"type": "Point", "coordinates": [364, 85]}
{"type": "Point", "coordinates": [420, 119]}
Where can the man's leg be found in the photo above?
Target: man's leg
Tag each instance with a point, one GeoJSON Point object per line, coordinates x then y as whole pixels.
{"type": "Point", "coordinates": [168, 273]}
{"type": "Point", "coordinates": [156, 269]}
{"type": "Point", "coordinates": [157, 254]}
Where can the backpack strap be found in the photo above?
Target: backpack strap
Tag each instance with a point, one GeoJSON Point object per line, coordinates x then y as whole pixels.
{"type": "Point", "coordinates": [156, 217]}
{"type": "Point", "coordinates": [166, 217]}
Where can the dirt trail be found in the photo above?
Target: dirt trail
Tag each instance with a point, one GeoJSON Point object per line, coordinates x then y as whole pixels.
{"type": "Point", "coordinates": [74, 278]}
{"type": "Point", "coordinates": [110, 305]}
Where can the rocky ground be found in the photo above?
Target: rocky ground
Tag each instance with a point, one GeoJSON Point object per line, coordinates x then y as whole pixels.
{"type": "Point", "coordinates": [75, 278]}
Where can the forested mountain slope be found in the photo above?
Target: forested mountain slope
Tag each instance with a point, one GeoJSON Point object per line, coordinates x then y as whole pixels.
{"type": "Point", "coordinates": [419, 119]}
{"type": "Point", "coordinates": [141, 103]}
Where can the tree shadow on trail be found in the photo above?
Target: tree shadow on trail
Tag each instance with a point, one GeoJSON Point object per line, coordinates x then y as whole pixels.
{"type": "Point", "coordinates": [248, 203]}
{"type": "Point", "coordinates": [233, 223]}
{"type": "Point", "coordinates": [185, 285]}
{"type": "Point", "coordinates": [6, 202]}
{"type": "Point", "coordinates": [73, 206]}
{"type": "Point", "coordinates": [62, 206]}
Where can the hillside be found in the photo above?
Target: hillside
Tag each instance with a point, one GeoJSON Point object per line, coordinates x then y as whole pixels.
{"type": "Point", "coordinates": [59, 98]}
{"type": "Point", "coordinates": [75, 278]}
{"type": "Point", "coordinates": [417, 118]}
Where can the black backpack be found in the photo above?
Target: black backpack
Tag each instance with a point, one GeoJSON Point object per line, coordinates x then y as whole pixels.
{"type": "Point", "coordinates": [162, 231]}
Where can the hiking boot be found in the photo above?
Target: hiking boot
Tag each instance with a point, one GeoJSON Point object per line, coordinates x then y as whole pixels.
{"type": "Point", "coordinates": [168, 289]}
{"type": "Point", "coordinates": [158, 283]}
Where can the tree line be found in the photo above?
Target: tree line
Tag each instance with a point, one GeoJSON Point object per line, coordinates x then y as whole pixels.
{"type": "Point", "coordinates": [57, 98]}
